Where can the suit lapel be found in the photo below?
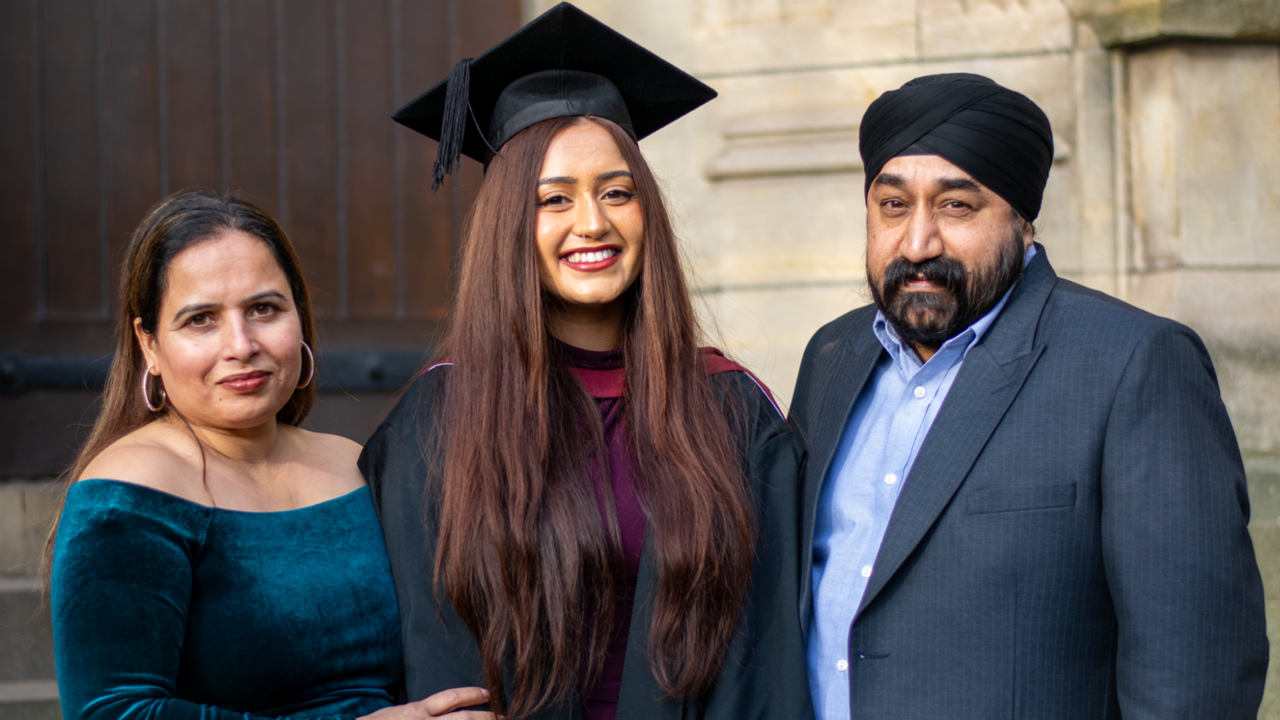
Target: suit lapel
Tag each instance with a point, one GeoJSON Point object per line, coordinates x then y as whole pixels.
{"type": "Point", "coordinates": [842, 378]}
{"type": "Point", "coordinates": [990, 379]}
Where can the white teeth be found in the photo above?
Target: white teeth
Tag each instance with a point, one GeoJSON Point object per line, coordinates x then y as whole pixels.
{"type": "Point", "coordinates": [590, 257]}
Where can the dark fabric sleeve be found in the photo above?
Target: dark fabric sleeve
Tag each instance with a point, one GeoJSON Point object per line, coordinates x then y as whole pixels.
{"type": "Point", "coordinates": [121, 586]}
{"type": "Point", "coordinates": [439, 653]}
{"type": "Point", "coordinates": [1177, 553]}
{"type": "Point", "coordinates": [764, 674]}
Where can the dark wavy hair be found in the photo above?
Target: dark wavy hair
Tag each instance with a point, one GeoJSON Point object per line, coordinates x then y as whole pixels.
{"type": "Point", "coordinates": [523, 555]}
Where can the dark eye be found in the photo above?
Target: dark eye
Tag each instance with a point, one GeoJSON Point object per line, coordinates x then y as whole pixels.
{"type": "Point", "coordinates": [263, 309]}
{"type": "Point", "coordinates": [618, 194]}
{"type": "Point", "coordinates": [198, 320]}
{"type": "Point", "coordinates": [553, 201]}
{"type": "Point", "coordinates": [893, 204]}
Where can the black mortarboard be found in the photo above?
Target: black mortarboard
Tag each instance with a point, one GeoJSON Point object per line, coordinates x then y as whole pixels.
{"type": "Point", "coordinates": [561, 64]}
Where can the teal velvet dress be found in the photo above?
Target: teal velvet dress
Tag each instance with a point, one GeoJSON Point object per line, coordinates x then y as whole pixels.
{"type": "Point", "coordinates": [166, 609]}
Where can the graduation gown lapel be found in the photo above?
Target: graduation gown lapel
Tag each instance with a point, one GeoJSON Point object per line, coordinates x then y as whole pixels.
{"type": "Point", "coordinates": [990, 379]}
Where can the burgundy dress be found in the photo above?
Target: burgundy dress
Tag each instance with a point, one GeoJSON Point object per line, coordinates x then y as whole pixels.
{"type": "Point", "coordinates": [601, 372]}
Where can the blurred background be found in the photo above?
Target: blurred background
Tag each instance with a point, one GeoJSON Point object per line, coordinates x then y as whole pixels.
{"type": "Point", "coordinates": [1165, 190]}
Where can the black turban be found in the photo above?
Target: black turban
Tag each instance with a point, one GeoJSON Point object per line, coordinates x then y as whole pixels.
{"type": "Point", "coordinates": [996, 135]}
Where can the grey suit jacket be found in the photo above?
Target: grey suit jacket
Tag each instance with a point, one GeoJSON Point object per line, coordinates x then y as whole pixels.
{"type": "Point", "coordinates": [1071, 541]}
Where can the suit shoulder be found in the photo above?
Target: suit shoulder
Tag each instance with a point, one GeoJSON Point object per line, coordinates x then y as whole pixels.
{"type": "Point", "coordinates": [1107, 318]}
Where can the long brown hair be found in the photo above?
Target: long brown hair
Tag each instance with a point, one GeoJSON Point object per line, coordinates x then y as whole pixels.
{"type": "Point", "coordinates": [173, 225]}
{"type": "Point", "coordinates": [523, 555]}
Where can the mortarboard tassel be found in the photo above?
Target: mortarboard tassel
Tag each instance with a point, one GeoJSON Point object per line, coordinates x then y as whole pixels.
{"type": "Point", "coordinates": [454, 124]}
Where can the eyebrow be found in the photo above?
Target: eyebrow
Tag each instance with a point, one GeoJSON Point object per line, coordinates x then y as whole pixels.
{"type": "Point", "coordinates": [895, 181]}
{"type": "Point", "coordinates": [566, 180]}
{"type": "Point", "coordinates": [958, 184]}
{"type": "Point", "coordinates": [198, 307]}
{"type": "Point", "coordinates": [899, 182]}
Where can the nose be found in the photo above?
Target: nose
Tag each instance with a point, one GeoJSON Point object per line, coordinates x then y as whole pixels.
{"type": "Point", "coordinates": [921, 240]}
{"type": "Point", "coordinates": [238, 342]}
{"type": "Point", "coordinates": [590, 220]}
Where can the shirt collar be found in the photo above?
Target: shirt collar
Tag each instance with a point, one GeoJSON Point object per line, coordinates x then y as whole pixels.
{"type": "Point", "coordinates": [956, 347]}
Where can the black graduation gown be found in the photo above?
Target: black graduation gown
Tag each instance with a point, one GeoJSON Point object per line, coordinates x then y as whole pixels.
{"type": "Point", "coordinates": [764, 673]}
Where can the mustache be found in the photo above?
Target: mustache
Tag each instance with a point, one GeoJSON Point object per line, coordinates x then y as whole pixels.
{"type": "Point", "coordinates": [944, 271]}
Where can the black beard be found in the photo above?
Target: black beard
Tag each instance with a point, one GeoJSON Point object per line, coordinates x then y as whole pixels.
{"type": "Point", "coordinates": [928, 319]}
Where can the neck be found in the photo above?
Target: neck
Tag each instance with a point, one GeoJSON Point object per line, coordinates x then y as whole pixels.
{"type": "Point", "coordinates": [242, 446]}
{"type": "Point", "coordinates": [590, 328]}
{"type": "Point", "coordinates": [924, 352]}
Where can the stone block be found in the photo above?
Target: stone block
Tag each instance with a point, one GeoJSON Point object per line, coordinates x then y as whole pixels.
{"type": "Point", "coordinates": [26, 644]}
{"type": "Point", "coordinates": [1205, 155]}
{"type": "Point", "coordinates": [41, 503]}
{"type": "Point", "coordinates": [735, 37]}
{"type": "Point", "coordinates": [1128, 22]}
{"type": "Point", "coordinates": [1266, 544]}
{"type": "Point", "coordinates": [766, 329]}
{"type": "Point", "coordinates": [1263, 472]}
{"type": "Point", "coordinates": [30, 700]}
{"type": "Point", "coordinates": [969, 28]}
{"type": "Point", "coordinates": [13, 536]}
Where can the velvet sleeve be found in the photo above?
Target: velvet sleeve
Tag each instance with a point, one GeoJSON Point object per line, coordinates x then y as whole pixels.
{"type": "Point", "coordinates": [119, 594]}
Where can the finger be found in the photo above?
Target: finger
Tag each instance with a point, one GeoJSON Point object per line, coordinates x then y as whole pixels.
{"type": "Point", "coordinates": [446, 700]}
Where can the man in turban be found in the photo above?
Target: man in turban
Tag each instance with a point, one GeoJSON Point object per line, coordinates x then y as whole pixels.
{"type": "Point", "coordinates": [1024, 497]}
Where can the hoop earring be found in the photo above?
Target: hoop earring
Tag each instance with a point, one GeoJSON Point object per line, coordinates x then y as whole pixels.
{"type": "Point", "coordinates": [146, 392]}
{"type": "Point", "coordinates": [311, 372]}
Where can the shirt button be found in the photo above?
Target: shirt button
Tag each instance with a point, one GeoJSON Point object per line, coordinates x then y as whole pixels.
{"type": "Point", "coordinates": [920, 392]}
{"type": "Point", "coordinates": [842, 665]}
{"type": "Point", "coordinates": [866, 571]}
{"type": "Point", "coordinates": [890, 479]}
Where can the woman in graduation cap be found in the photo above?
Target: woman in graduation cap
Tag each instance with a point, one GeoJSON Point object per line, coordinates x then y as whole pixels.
{"type": "Point", "coordinates": [584, 510]}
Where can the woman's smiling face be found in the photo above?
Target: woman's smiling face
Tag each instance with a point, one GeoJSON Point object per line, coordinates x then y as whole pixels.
{"type": "Point", "coordinates": [228, 340]}
{"type": "Point", "coordinates": [590, 224]}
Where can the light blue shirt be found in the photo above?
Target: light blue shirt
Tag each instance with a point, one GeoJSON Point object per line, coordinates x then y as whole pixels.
{"type": "Point", "coordinates": [883, 435]}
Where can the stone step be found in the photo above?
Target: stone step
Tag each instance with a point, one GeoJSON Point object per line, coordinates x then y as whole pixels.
{"type": "Point", "coordinates": [30, 700]}
{"type": "Point", "coordinates": [26, 644]}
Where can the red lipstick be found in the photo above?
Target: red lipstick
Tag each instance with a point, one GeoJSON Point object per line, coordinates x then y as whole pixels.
{"type": "Point", "coordinates": [245, 382]}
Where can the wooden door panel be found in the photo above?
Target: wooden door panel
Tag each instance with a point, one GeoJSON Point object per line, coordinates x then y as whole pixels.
{"type": "Point", "coordinates": [75, 262]}
{"type": "Point", "coordinates": [18, 189]}
{"type": "Point", "coordinates": [248, 59]}
{"type": "Point", "coordinates": [191, 125]}
{"type": "Point", "coordinates": [367, 227]}
{"type": "Point", "coordinates": [132, 114]}
{"type": "Point", "coordinates": [106, 107]}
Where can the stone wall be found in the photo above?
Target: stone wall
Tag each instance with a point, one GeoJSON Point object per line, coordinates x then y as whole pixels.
{"type": "Point", "coordinates": [28, 690]}
{"type": "Point", "coordinates": [1165, 189]}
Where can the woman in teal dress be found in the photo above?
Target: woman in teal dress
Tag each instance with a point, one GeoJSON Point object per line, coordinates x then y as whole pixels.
{"type": "Point", "coordinates": [213, 560]}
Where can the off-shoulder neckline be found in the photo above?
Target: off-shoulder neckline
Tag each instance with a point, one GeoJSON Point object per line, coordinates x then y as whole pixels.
{"type": "Point", "coordinates": [177, 498]}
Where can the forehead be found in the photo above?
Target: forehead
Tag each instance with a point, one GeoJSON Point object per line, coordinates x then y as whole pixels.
{"type": "Point", "coordinates": [585, 146]}
{"type": "Point", "coordinates": [926, 171]}
{"type": "Point", "coordinates": [233, 263]}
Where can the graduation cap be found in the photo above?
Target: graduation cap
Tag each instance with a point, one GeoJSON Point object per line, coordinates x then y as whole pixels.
{"type": "Point", "coordinates": [562, 64]}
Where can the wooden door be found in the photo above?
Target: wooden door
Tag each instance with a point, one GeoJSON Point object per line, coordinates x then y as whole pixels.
{"type": "Point", "coordinates": [107, 106]}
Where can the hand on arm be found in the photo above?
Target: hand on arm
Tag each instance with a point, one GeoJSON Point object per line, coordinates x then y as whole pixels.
{"type": "Point", "coordinates": [445, 704]}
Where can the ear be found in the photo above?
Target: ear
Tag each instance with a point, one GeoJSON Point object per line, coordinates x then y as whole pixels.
{"type": "Point", "coordinates": [1028, 231]}
{"type": "Point", "coordinates": [147, 342]}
